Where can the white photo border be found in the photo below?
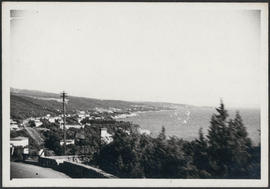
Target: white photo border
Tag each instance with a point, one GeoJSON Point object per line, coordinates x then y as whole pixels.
{"type": "Point", "coordinates": [7, 182]}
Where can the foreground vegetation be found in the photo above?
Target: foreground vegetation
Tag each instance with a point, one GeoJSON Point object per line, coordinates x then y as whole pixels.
{"type": "Point", "coordinates": [225, 152]}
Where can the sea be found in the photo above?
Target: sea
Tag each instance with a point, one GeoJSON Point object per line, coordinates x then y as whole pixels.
{"type": "Point", "coordinates": [186, 122]}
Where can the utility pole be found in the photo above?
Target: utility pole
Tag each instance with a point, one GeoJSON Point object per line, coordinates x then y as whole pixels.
{"type": "Point", "coordinates": [64, 96]}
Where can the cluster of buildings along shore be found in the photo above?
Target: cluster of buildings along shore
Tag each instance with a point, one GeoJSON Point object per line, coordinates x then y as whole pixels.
{"type": "Point", "coordinates": [37, 122]}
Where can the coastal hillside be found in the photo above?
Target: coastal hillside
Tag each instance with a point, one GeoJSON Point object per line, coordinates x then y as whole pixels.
{"type": "Point", "coordinates": [22, 107]}
{"type": "Point", "coordinates": [30, 103]}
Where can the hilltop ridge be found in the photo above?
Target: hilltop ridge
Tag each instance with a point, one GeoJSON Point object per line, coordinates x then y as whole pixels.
{"type": "Point", "coordinates": [32, 103]}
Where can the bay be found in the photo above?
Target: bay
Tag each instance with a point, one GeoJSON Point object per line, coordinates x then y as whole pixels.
{"type": "Point", "coordinates": [185, 122]}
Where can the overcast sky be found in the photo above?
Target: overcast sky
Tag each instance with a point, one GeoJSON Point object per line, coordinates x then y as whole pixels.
{"type": "Point", "coordinates": [143, 52]}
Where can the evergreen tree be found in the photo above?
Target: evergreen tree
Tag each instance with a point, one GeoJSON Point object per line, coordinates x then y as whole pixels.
{"type": "Point", "coordinates": [122, 156]}
{"type": "Point", "coordinates": [200, 156]}
{"type": "Point", "coordinates": [240, 146]}
{"type": "Point", "coordinates": [229, 146]}
{"type": "Point", "coordinates": [162, 134]}
{"type": "Point", "coordinates": [218, 139]}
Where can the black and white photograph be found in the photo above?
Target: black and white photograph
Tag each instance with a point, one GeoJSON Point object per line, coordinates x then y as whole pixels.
{"type": "Point", "coordinates": [134, 94]}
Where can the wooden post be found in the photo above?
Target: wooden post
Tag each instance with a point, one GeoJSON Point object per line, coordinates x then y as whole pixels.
{"type": "Point", "coordinates": [64, 96]}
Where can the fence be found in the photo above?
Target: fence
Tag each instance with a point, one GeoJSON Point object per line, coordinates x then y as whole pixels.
{"type": "Point", "coordinates": [77, 170]}
{"type": "Point", "coordinates": [73, 169]}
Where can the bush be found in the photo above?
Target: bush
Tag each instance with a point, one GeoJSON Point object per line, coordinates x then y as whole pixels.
{"type": "Point", "coordinates": [52, 142]}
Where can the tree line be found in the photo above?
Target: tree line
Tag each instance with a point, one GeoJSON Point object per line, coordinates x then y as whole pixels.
{"type": "Point", "coordinates": [226, 152]}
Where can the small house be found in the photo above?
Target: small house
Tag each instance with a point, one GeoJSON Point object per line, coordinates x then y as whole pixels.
{"type": "Point", "coordinates": [68, 142]}
{"type": "Point", "coordinates": [105, 136]}
{"type": "Point", "coordinates": [20, 141]}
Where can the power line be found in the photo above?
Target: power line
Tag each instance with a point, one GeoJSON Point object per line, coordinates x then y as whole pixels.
{"type": "Point", "coordinates": [63, 95]}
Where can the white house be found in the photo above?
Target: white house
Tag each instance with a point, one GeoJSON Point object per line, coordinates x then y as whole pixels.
{"type": "Point", "coordinates": [79, 119]}
{"type": "Point", "coordinates": [20, 141]}
{"type": "Point", "coordinates": [41, 153]}
{"type": "Point", "coordinates": [105, 136]}
{"type": "Point", "coordinates": [38, 123]}
{"type": "Point", "coordinates": [81, 114]}
{"type": "Point", "coordinates": [13, 125]}
{"type": "Point", "coordinates": [71, 126]}
{"type": "Point", "coordinates": [68, 142]}
{"type": "Point", "coordinates": [144, 131]}
{"type": "Point", "coordinates": [12, 121]}
{"type": "Point", "coordinates": [52, 120]}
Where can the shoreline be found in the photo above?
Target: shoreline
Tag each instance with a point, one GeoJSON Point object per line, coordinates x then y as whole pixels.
{"type": "Point", "coordinates": [135, 113]}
